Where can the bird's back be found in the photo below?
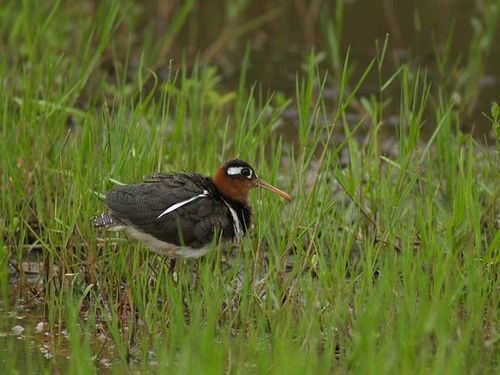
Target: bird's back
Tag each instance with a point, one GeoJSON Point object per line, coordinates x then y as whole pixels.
{"type": "Point", "coordinates": [177, 209]}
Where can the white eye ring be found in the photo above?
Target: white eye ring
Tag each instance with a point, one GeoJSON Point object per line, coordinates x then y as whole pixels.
{"type": "Point", "coordinates": [237, 171]}
{"type": "Point", "coordinates": [246, 172]}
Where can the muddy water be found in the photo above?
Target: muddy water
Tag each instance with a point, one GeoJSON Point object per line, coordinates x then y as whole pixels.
{"type": "Point", "coordinates": [24, 343]}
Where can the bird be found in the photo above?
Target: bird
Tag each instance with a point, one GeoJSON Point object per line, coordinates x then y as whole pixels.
{"type": "Point", "coordinates": [180, 214]}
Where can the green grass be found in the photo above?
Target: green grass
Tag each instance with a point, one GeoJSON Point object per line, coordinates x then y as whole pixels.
{"type": "Point", "coordinates": [388, 265]}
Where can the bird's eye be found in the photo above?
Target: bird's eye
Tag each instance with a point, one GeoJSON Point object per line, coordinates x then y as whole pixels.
{"type": "Point", "coordinates": [245, 172]}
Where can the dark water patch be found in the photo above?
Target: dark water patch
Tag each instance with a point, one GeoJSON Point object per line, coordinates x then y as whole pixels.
{"type": "Point", "coordinates": [416, 29]}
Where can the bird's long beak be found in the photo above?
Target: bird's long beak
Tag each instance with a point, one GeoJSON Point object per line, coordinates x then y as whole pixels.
{"type": "Point", "coordinates": [263, 184]}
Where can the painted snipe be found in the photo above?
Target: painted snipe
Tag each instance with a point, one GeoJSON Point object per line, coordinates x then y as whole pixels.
{"type": "Point", "coordinates": [179, 214]}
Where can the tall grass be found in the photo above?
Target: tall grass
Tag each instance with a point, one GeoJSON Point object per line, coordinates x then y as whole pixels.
{"type": "Point", "coordinates": [386, 265]}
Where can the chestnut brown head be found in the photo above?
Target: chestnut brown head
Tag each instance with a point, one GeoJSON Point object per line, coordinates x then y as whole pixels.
{"type": "Point", "coordinates": [236, 177]}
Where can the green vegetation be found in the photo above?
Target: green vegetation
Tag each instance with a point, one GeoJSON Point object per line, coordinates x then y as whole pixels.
{"type": "Point", "coordinates": [387, 261]}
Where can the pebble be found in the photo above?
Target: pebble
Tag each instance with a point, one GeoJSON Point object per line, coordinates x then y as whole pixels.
{"type": "Point", "coordinates": [17, 330]}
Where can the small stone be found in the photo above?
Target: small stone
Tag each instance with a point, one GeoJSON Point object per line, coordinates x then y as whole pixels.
{"type": "Point", "coordinates": [105, 362]}
{"type": "Point", "coordinates": [45, 350]}
{"type": "Point", "coordinates": [39, 327]}
{"type": "Point", "coordinates": [17, 330]}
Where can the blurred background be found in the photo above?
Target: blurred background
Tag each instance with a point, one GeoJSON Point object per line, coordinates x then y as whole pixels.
{"type": "Point", "coordinates": [455, 42]}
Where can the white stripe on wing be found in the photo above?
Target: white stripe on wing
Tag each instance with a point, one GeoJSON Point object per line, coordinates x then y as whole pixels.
{"type": "Point", "coordinates": [180, 204]}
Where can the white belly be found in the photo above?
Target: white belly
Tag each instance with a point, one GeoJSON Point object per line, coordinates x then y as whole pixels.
{"type": "Point", "coordinates": [164, 248]}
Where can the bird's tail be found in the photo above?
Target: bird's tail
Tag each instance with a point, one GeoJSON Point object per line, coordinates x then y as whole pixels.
{"type": "Point", "coordinates": [104, 221]}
